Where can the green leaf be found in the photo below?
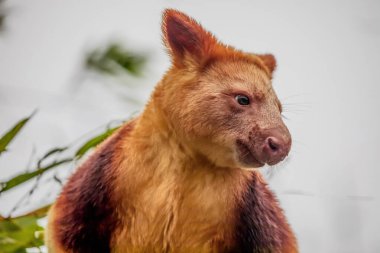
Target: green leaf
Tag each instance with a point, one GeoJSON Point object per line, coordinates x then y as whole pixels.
{"type": "Point", "coordinates": [12, 133]}
{"type": "Point", "coordinates": [17, 234]}
{"type": "Point", "coordinates": [19, 179]}
{"type": "Point", "coordinates": [94, 142]}
{"type": "Point", "coordinates": [114, 59]}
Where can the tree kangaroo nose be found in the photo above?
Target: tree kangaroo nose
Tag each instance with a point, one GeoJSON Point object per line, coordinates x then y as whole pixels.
{"type": "Point", "coordinates": [276, 146]}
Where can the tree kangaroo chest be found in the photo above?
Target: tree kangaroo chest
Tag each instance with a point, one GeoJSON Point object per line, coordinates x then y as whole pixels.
{"type": "Point", "coordinates": [238, 217]}
{"type": "Point", "coordinates": [173, 217]}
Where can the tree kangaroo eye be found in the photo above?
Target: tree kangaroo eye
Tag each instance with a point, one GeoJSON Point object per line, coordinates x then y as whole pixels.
{"type": "Point", "coordinates": [242, 100]}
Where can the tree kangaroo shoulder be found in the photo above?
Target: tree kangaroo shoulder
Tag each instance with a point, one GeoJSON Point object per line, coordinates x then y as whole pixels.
{"type": "Point", "coordinates": [85, 211]}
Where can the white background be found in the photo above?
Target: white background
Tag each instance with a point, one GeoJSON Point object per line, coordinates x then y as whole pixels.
{"type": "Point", "coordinates": [328, 79]}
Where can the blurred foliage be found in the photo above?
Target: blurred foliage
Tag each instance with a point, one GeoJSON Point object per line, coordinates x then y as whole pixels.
{"type": "Point", "coordinates": [114, 59]}
{"type": "Point", "coordinates": [2, 15]}
{"type": "Point", "coordinates": [18, 234]}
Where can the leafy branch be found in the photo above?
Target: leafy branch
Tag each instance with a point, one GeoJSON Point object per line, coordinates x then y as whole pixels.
{"type": "Point", "coordinates": [19, 233]}
{"type": "Point", "coordinates": [39, 170]}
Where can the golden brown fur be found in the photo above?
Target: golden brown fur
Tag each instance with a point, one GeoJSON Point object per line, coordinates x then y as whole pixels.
{"type": "Point", "coordinates": [172, 179]}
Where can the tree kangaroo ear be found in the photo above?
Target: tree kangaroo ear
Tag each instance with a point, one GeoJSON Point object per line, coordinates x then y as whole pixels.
{"type": "Point", "coordinates": [269, 61]}
{"type": "Point", "coordinates": [186, 40]}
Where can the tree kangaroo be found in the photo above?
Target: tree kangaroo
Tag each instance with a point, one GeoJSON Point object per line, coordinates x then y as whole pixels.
{"type": "Point", "coordinates": [182, 177]}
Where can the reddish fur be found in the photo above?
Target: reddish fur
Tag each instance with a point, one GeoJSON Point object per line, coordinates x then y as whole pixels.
{"type": "Point", "coordinates": [78, 204]}
{"type": "Point", "coordinates": [171, 180]}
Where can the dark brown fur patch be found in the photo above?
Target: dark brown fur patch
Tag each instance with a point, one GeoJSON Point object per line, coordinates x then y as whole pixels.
{"type": "Point", "coordinates": [260, 224]}
{"type": "Point", "coordinates": [85, 211]}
